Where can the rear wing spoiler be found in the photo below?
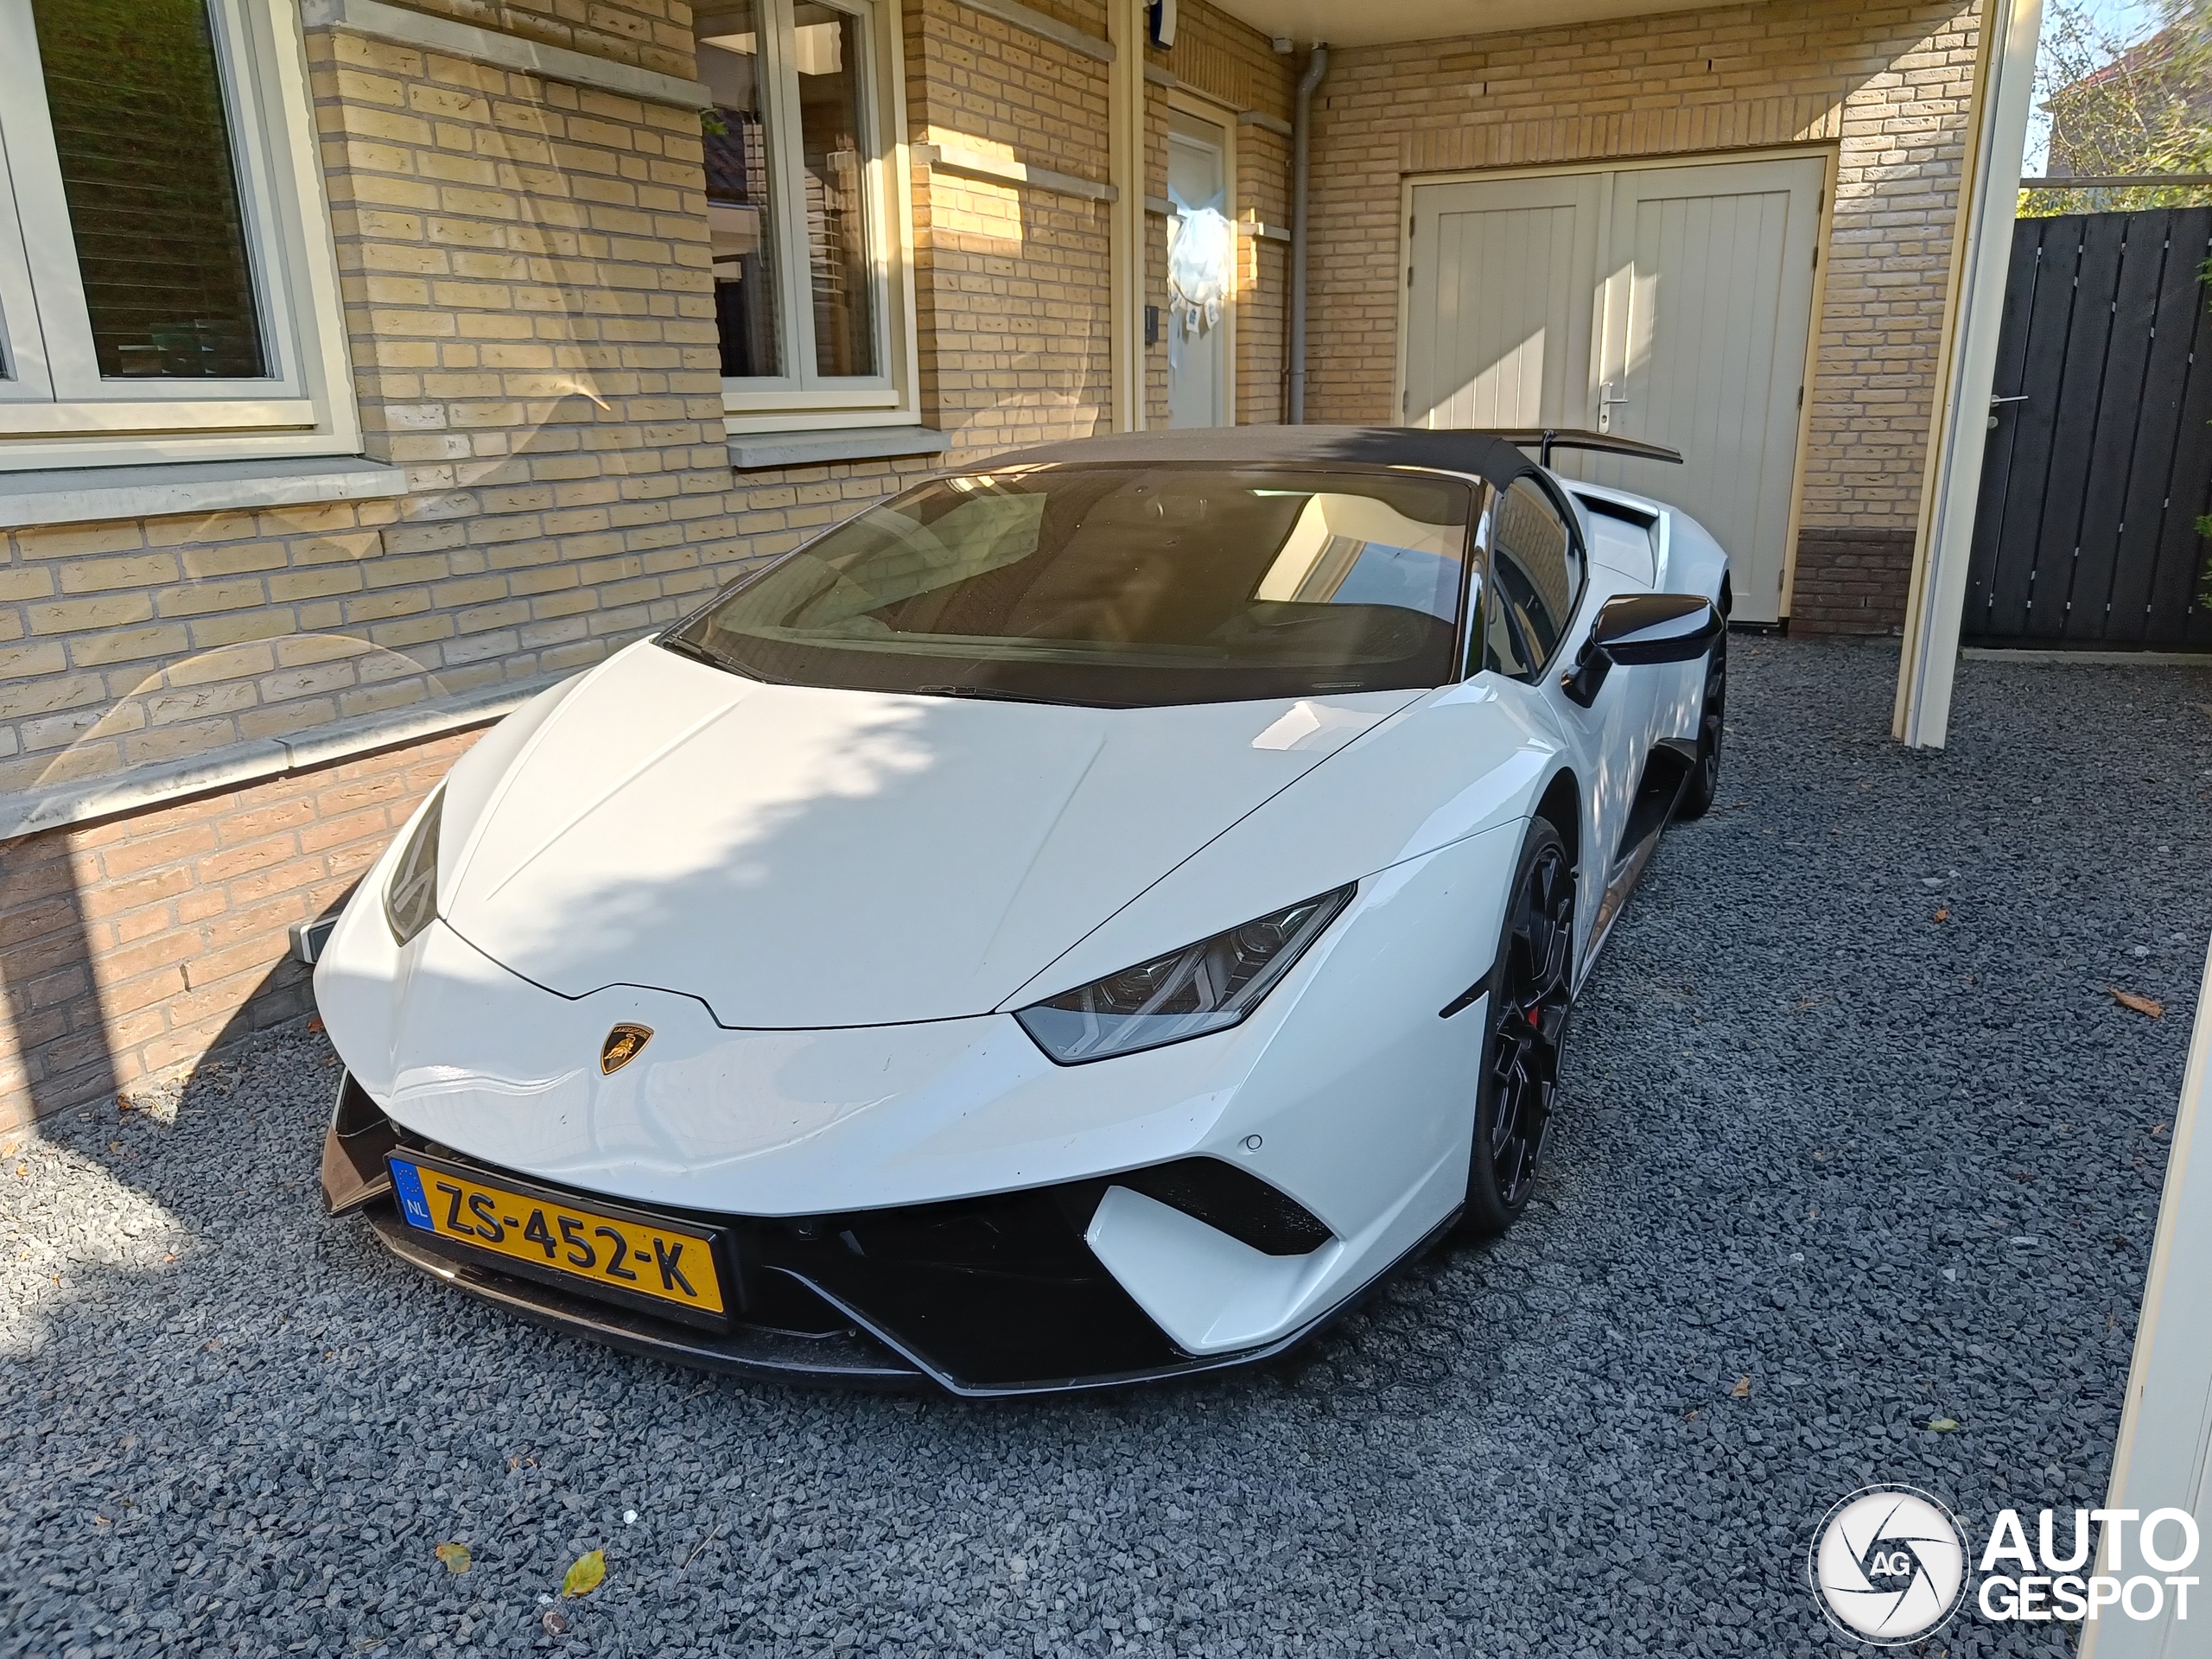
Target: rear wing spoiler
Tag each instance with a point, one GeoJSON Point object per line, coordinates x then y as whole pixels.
{"type": "Point", "coordinates": [1546, 439]}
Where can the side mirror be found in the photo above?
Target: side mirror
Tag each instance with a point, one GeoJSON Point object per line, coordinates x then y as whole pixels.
{"type": "Point", "coordinates": [1642, 628]}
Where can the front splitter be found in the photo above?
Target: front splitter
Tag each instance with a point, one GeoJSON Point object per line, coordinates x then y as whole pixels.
{"type": "Point", "coordinates": [856, 1358]}
{"type": "Point", "coordinates": [843, 1356]}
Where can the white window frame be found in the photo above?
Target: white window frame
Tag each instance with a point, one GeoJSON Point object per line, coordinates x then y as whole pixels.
{"type": "Point", "coordinates": [803, 400]}
{"type": "Point", "coordinates": [55, 409]}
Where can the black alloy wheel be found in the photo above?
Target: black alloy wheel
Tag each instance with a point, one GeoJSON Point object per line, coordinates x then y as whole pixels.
{"type": "Point", "coordinates": [1704, 778]}
{"type": "Point", "coordinates": [1528, 1016]}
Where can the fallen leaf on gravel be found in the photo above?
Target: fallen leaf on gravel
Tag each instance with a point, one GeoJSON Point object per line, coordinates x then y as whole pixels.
{"type": "Point", "coordinates": [555, 1621]}
{"type": "Point", "coordinates": [1743, 1389]}
{"type": "Point", "coordinates": [455, 1556]}
{"type": "Point", "coordinates": [1944, 914]}
{"type": "Point", "coordinates": [1943, 1424]}
{"type": "Point", "coordinates": [583, 1578]}
{"type": "Point", "coordinates": [315, 1024]}
{"type": "Point", "coordinates": [1691, 1418]}
{"type": "Point", "coordinates": [2157, 1131]}
{"type": "Point", "coordinates": [2140, 1004]}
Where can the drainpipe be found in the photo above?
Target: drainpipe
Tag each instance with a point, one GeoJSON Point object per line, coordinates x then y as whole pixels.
{"type": "Point", "coordinates": [1316, 65]}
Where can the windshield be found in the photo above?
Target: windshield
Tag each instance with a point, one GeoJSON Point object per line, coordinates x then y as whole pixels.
{"type": "Point", "coordinates": [1119, 585]}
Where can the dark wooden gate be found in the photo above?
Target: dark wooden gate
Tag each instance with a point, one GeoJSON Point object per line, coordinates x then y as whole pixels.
{"type": "Point", "coordinates": [2100, 459]}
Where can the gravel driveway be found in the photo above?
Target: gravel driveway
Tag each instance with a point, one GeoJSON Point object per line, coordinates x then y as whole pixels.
{"type": "Point", "coordinates": [1852, 1117]}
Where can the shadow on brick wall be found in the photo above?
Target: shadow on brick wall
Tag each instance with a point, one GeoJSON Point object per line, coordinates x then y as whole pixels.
{"type": "Point", "coordinates": [89, 1016]}
{"type": "Point", "coordinates": [1851, 581]}
{"type": "Point", "coordinates": [136, 946]}
{"type": "Point", "coordinates": [57, 1053]}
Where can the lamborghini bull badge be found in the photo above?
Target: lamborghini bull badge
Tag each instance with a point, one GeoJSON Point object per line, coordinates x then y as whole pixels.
{"type": "Point", "coordinates": [623, 1044]}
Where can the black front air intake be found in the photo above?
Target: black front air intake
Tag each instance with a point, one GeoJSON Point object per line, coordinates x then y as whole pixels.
{"type": "Point", "coordinates": [1002, 1292]}
{"type": "Point", "coordinates": [1233, 1200]}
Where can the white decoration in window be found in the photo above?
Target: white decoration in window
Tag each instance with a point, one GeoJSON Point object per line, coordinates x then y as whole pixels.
{"type": "Point", "coordinates": [1201, 270]}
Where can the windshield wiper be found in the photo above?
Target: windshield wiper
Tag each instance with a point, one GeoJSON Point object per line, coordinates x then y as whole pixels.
{"type": "Point", "coordinates": [992, 693]}
{"type": "Point", "coordinates": [699, 653]}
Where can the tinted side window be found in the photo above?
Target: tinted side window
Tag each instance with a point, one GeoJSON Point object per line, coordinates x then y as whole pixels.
{"type": "Point", "coordinates": [1536, 576]}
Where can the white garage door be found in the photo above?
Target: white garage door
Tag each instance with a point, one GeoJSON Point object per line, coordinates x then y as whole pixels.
{"type": "Point", "coordinates": [1667, 304]}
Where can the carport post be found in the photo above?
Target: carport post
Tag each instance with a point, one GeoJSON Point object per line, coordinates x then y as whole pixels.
{"type": "Point", "coordinates": [2163, 1460]}
{"type": "Point", "coordinates": [1980, 251]}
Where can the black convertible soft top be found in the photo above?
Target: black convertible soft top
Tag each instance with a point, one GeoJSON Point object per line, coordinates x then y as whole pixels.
{"type": "Point", "coordinates": [1484, 454]}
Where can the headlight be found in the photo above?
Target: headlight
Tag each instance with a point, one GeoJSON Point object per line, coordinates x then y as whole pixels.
{"type": "Point", "coordinates": [411, 901]}
{"type": "Point", "coordinates": [1202, 988]}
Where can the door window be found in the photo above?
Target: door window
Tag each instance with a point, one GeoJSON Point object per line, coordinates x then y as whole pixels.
{"type": "Point", "coordinates": [1535, 577]}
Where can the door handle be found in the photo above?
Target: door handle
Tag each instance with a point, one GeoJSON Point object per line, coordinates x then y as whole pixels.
{"type": "Point", "coordinates": [1606, 398]}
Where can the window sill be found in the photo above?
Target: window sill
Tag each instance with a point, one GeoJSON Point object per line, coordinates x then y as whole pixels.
{"type": "Point", "coordinates": [83, 494]}
{"type": "Point", "coordinates": [31, 811]}
{"type": "Point", "coordinates": [762, 452]}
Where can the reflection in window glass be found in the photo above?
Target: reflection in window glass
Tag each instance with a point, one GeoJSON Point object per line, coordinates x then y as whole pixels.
{"type": "Point", "coordinates": [737, 190]}
{"type": "Point", "coordinates": [1359, 549]}
{"type": "Point", "coordinates": [149, 172]}
{"type": "Point", "coordinates": [1503, 646]}
{"type": "Point", "coordinates": [1534, 580]}
{"type": "Point", "coordinates": [827, 50]}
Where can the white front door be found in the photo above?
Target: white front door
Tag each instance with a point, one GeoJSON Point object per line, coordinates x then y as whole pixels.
{"type": "Point", "coordinates": [1197, 351]}
{"type": "Point", "coordinates": [1667, 303]}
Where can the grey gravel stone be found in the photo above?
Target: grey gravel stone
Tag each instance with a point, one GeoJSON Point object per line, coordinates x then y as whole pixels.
{"type": "Point", "coordinates": [1808, 1131]}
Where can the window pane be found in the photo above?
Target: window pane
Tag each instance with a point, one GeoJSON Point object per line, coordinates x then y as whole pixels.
{"type": "Point", "coordinates": [737, 191]}
{"type": "Point", "coordinates": [827, 47]}
{"type": "Point", "coordinates": [1533, 576]}
{"type": "Point", "coordinates": [152, 187]}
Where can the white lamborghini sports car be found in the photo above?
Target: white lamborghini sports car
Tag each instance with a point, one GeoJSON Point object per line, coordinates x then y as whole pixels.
{"type": "Point", "coordinates": [1082, 920]}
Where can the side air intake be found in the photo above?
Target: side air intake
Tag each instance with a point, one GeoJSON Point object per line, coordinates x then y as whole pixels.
{"type": "Point", "coordinates": [1231, 1200]}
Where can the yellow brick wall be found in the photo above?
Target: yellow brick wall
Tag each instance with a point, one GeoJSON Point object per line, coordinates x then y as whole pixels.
{"type": "Point", "coordinates": [651, 34]}
{"type": "Point", "coordinates": [1011, 283]}
{"type": "Point", "coordinates": [1887, 84]}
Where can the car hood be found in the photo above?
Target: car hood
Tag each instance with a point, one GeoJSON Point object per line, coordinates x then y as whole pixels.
{"type": "Point", "coordinates": [800, 857]}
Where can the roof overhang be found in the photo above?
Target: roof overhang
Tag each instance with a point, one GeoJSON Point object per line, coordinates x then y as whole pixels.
{"type": "Point", "coordinates": [1381, 23]}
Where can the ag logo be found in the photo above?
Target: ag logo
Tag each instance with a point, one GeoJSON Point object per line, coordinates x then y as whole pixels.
{"type": "Point", "coordinates": [1888, 1564]}
{"type": "Point", "coordinates": [622, 1045]}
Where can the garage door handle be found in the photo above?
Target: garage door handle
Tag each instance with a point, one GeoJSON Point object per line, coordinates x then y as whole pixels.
{"type": "Point", "coordinates": [2021, 398]}
{"type": "Point", "coordinates": [1607, 399]}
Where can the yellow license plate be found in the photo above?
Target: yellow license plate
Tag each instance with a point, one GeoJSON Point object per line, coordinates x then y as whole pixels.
{"type": "Point", "coordinates": [615, 1253]}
